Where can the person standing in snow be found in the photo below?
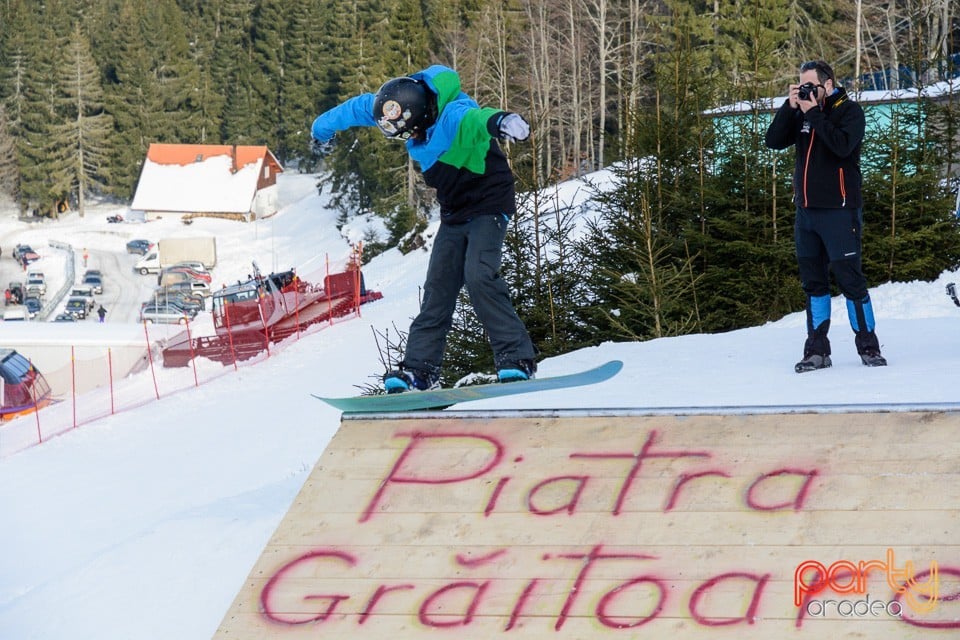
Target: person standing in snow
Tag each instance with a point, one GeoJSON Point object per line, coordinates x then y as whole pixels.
{"type": "Point", "coordinates": [101, 313]}
{"type": "Point", "coordinates": [454, 141]}
{"type": "Point", "coordinates": [827, 128]}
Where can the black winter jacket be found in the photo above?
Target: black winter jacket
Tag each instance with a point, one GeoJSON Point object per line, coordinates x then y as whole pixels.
{"type": "Point", "coordinates": [827, 172]}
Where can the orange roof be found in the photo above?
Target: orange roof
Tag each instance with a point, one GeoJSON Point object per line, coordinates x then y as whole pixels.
{"type": "Point", "coordinates": [184, 154]}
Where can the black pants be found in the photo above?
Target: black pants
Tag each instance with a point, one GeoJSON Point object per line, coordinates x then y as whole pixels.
{"type": "Point", "coordinates": [830, 240]}
{"type": "Point", "coordinates": [467, 254]}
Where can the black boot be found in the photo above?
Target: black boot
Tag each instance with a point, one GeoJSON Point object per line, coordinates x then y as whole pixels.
{"type": "Point", "coordinates": [868, 346]}
{"type": "Point", "coordinates": [816, 350]}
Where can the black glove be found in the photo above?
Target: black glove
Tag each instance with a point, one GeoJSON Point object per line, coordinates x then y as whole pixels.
{"type": "Point", "coordinates": [321, 148]}
{"type": "Point", "coordinates": [513, 128]}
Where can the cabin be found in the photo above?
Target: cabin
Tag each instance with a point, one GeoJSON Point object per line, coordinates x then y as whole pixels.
{"type": "Point", "coordinates": [238, 182]}
{"type": "Point", "coordinates": [883, 110]}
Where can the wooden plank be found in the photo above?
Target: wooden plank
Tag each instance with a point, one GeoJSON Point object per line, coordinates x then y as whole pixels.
{"type": "Point", "coordinates": [610, 527]}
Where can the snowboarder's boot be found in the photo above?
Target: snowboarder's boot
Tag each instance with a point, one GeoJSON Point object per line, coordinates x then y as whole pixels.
{"type": "Point", "coordinates": [869, 349]}
{"type": "Point", "coordinates": [400, 380]}
{"type": "Point", "coordinates": [516, 370]}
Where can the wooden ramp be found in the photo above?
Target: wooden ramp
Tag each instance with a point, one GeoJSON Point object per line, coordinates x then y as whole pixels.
{"type": "Point", "coordinates": [595, 527]}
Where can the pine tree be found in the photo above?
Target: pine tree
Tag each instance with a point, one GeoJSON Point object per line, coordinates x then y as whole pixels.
{"type": "Point", "coordinates": [133, 99]}
{"type": "Point", "coordinates": [203, 26]}
{"type": "Point", "coordinates": [269, 50]}
{"type": "Point", "coordinates": [86, 128]}
{"type": "Point", "coordinates": [176, 74]}
{"type": "Point", "coordinates": [18, 32]}
{"type": "Point", "coordinates": [304, 79]}
{"type": "Point", "coordinates": [43, 145]}
{"type": "Point", "coordinates": [367, 173]}
{"type": "Point", "coordinates": [644, 287]}
{"type": "Point", "coordinates": [910, 229]}
{"type": "Point", "coordinates": [9, 171]}
{"type": "Point", "coordinates": [235, 55]}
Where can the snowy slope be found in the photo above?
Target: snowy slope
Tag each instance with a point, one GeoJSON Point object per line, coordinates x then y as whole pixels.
{"type": "Point", "coordinates": [145, 524]}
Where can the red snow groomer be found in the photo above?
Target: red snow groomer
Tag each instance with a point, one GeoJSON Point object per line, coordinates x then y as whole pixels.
{"type": "Point", "coordinates": [248, 315]}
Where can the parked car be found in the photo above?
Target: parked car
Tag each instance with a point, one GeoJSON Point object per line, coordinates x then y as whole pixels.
{"type": "Point", "coordinates": [24, 253]}
{"type": "Point", "coordinates": [139, 246]}
{"type": "Point", "coordinates": [33, 305]}
{"type": "Point", "coordinates": [85, 293]}
{"type": "Point", "coordinates": [186, 308]}
{"type": "Point", "coordinates": [36, 284]}
{"type": "Point", "coordinates": [192, 264]}
{"type": "Point", "coordinates": [190, 303]}
{"type": "Point", "coordinates": [197, 287]}
{"type": "Point", "coordinates": [192, 272]}
{"type": "Point", "coordinates": [64, 317]}
{"type": "Point", "coordinates": [93, 281]}
{"type": "Point", "coordinates": [163, 312]}
{"type": "Point", "coordinates": [171, 277]}
{"type": "Point", "coordinates": [77, 307]}
{"type": "Point", "coordinates": [180, 292]}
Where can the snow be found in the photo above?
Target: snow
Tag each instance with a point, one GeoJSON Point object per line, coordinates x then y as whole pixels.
{"type": "Point", "coordinates": [145, 524]}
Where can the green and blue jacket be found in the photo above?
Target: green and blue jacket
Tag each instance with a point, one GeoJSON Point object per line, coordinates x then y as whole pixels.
{"type": "Point", "coordinates": [459, 157]}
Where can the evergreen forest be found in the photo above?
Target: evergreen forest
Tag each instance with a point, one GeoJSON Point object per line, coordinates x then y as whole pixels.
{"type": "Point", "coordinates": [697, 236]}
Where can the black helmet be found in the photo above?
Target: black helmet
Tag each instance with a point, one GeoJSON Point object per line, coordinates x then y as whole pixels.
{"type": "Point", "coordinates": [404, 107]}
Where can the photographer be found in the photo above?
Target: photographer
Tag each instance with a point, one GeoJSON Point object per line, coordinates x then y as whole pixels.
{"type": "Point", "coordinates": [827, 128]}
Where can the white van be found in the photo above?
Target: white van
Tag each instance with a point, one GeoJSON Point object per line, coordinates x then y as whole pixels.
{"type": "Point", "coordinates": [149, 263]}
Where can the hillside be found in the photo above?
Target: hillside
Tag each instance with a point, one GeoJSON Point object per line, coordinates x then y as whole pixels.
{"type": "Point", "coordinates": [144, 525]}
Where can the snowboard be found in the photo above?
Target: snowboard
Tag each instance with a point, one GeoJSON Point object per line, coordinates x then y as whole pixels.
{"type": "Point", "coordinates": [443, 398]}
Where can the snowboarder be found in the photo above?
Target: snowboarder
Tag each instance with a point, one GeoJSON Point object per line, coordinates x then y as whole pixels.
{"type": "Point", "coordinates": [827, 128]}
{"type": "Point", "coordinates": [454, 141]}
{"type": "Point", "coordinates": [101, 313]}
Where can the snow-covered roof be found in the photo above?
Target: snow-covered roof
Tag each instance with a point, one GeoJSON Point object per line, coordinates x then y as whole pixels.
{"type": "Point", "coordinates": [933, 91]}
{"type": "Point", "coordinates": [201, 178]}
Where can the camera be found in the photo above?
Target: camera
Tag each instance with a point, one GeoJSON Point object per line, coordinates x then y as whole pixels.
{"type": "Point", "coordinates": [806, 90]}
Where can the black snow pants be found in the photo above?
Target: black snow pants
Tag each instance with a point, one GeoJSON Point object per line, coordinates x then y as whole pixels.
{"type": "Point", "coordinates": [467, 254]}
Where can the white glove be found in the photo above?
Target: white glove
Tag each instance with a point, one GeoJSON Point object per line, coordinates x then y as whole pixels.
{"type": "Point", "coordinates": [513, 128]}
